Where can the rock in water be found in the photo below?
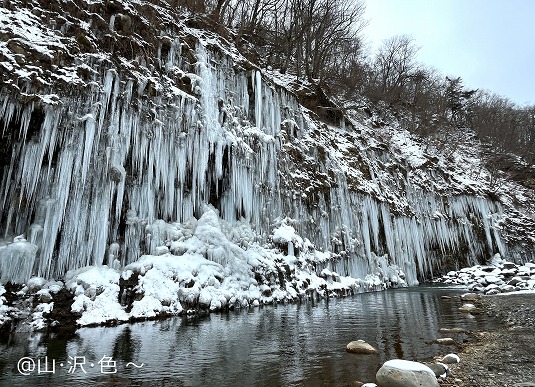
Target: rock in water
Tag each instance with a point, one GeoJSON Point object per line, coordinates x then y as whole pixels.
{"type": "Point", "coordinates": [404, 373]}
{"type": "Point", "coordinates": [360, 346]}
{"type": "Point", "coordinates": [452, 330]}
{"type": "Point", "coordinates": [470, 297]}
{"type": "Point", "coordinates": [469, 308]}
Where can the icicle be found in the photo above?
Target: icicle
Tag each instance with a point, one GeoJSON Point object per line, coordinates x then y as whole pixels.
{"type": "Point", "coordinates": [17, 261]}
{"type": "Point", "coordinates": [108, 167]}
{"type": "Point", "coordinates": [258, 99]}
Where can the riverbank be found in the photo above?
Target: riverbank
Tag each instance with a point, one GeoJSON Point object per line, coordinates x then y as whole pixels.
{"type": "Point", "coordinates": [506, 356]}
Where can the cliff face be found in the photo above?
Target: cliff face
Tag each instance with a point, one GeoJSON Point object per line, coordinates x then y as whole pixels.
{"type": "Point", "coordinates": [121, 119]}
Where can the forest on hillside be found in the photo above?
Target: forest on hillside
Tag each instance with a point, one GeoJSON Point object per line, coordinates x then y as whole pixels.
{"type": "Point", "coordinates": [322, 42]}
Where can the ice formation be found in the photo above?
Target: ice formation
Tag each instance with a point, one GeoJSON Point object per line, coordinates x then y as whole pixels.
{"type": "Point", "coordinates": [101, 173]}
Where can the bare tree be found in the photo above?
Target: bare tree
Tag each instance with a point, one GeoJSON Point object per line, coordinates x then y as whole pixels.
{"type": "Point", "coordinates": [395, 63]}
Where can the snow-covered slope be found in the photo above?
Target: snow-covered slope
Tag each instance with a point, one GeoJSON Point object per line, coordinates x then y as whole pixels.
{"type": "Point", "coordinates": [124, 122]}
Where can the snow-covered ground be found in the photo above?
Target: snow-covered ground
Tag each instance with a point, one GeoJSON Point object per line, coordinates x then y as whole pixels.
{"type": "Point", "coordinates": [499, 277]}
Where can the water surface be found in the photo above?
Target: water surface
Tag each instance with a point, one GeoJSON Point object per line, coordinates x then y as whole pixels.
{"type": "Point", "coordinates": [282, 345]}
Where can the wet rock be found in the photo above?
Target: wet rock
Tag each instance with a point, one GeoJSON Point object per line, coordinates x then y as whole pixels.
{"type": "Point", "coordinates": [452, 330]}
{"type": "Point", "coordinates": [470, 297]}
{"type": "Point", "coordinates": [445, 341]}
{"type": "Point", "coordinates": [450, 358]}
{"type": "Point", "coordinates": [403, 373]}
{"type": "Point", "coordinates": [469, 308]}
{"type": "Point", "coordinates": [360, 346]}
{"type": "Point", "coordinates": [492, 292]}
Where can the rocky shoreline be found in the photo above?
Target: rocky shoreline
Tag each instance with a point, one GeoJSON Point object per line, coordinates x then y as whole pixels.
{"type": "Point", "coordinates": [500, 357]}
{"type": "Point", "coordinates": [503, 357]}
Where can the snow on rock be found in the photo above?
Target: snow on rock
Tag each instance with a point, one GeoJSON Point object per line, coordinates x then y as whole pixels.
{"type": "Point", "coordinates": [96, 292]}
{"type": "Point", "coordinates": [4, 309]}
{"type": "Point", "coordinates": [404, 373]}
{"type": "Point", "coordinates": [209, 266]}
{"type": "Point", "coordinates": [361, 347]}
{"type": "Point", "coordinates": [500, 276]}
{"type": "Point", "coordinates": [450, 358]}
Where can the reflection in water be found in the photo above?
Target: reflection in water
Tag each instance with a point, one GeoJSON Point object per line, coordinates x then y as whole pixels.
{"type": "Point", "coordinates": [285, 345]}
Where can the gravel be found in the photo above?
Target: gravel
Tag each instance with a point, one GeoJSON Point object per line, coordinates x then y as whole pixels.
{"type": "Point", "coordinates": [504, 357]}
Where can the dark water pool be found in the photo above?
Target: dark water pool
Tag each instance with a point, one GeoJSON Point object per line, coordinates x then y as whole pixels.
{"type": "Point", "coordinates": [284, 345]}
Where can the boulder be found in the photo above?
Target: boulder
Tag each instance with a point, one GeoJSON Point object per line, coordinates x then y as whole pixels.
{"type": "Point", "coordinates": [491, 279]}
{"type": "Point", "coordinates": [515, 281]}
{"type": "Point", "coordinates": [439, 369]}
{"type": "Point", "coordinates": [450, 358]}
{"type": "Point", "coordinates": [404, 373]}
{"type": "Point", "coordinates": [446, 341]}
{"type": "Point", "coordinates": [507, 288]}
{"type": "Point", "coordinates": [45, 297]}
{"type": "Point", "coordinates": [360, 346]}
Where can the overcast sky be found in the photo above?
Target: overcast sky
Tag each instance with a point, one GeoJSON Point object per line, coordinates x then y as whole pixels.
{"type": "Point", "coordinates": [489, 43]}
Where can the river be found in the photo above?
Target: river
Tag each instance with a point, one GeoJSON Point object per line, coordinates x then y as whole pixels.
{"type": "Point", "coordinates": [282, 345]}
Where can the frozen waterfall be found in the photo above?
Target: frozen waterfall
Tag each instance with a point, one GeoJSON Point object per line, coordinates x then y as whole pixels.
{"type": "Point", "coordinates": [93, 171]}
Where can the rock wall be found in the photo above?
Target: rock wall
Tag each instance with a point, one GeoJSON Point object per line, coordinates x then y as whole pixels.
{"type": "Point", "coordinates": [97, 147]}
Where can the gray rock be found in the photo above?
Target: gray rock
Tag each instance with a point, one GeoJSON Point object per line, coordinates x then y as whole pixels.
{"type": "Point", "coordinates": [450, 358]}
{"type": "Point", "coordinates": [469, 308]}
{"type": "Point", "coordinates": [446, 341]}
{"type": "Point", "coordinates": [470, 297]}
{"type": "Point", "coordinates": [509, 265]}
{"type": "Point", "coordinates": [452, 330]}
{"type": "Point", "coordinates": [491, 279]}
{"type": "Point", "coordinates": [403, 373]}
{"type": "Point", "coordinates": [45, 297]}
{"type": "Point", "coordinates": [507, 288]}
{"type": "Point", "coordinates": [515, 281]}
{"type": "Point", "coordinates": [440, 370]}
{"type": "Point", "coordinates": [360, 346]}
